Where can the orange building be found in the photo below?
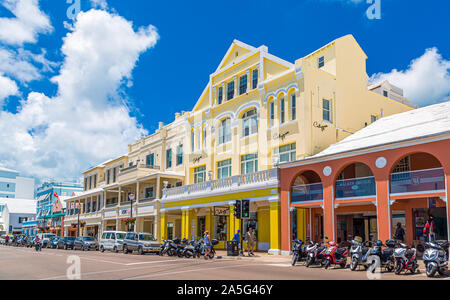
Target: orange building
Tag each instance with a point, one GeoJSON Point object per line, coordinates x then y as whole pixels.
{"type": "Point", "coordinates": [396, 170]}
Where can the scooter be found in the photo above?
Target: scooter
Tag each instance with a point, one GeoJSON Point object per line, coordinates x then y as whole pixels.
{"type": "Point", "coordinates": [405, 259]}
{"type": "Point", "coordinates": [435, 258]}
{"type": "Point", "coordinates": [180, 248]}
{"type": "Point", "coordinates": [167, 247]}
{"type": "Point", "coordinates": [386, 258]}
{"type": "Point", "coordinates": [298, 251]}
{"type": "Point", "coordinates": [38, 246]}
{"type": "Point", "coordinates": [359, 254]}
{"type": "Point", "coordinates": [335, 255]}
{"type": "Point", "coordinates": [315, 254]}
{"type": "Point", "coordinates": [212, 251]}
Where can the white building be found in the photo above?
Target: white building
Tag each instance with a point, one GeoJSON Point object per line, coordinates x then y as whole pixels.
{"type": "Point", "coordinates": [14, 212]}
{"type": "Point", "coordinates": [14, 186]}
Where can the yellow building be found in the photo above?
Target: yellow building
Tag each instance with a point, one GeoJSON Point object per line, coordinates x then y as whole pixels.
{"type": "Point", "coordinates": [256, 111]}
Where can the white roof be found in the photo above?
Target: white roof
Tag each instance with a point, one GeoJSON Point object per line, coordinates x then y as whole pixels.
{"type": "Point", "coordinates": [19, 206]}
{"type": "Point", "coordinates": [7, 170]}
{"type": "Point", "coordinates": [419, 123]}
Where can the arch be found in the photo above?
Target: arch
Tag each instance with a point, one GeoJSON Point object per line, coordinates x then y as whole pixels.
{"type": "Point", "coordinates": [433, 162]}
{"type": "Point", "coordinates": [241, 110]}
{"type": "Point", "coordinates": [355, 180]}
{"type": "Point", "coordinates": [303, 172]}
{"type": "Point", "coordinates": [349, 164]}
{"type": "Point", "coordinates": [284, 90]}
{"type": "Point", "coordinates": [224, 115]}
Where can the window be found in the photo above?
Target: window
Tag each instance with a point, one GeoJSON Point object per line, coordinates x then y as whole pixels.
{"type": "Point", "coordinates": [250, 123]}
{"type": "Point", "coordinates": [180, 155]}
{"type": "Point", "coordinates": [230, 91]}
{"type": "Point", "coordinates": [90, 182]}
{"type": "Point", "coordinates": [272, 113]}
{"type": "Point", "coordinates": [224, 169]}
{"type": "Point", "coordinates": [255, 79]}
{"type": "Point", "coordinates": [403, 165]}
{"type": "Point", "coordinates": [198, 139]}
{"type": "Point", "coordinates": [150, 160]}
{"type": "Point", "coordinates": [95, 181]}
{"type": "Point", "coordinates": [192, 140]}
{"type": "Point", "coordinates": [114, 174]}
{"type": "Point", "coordinates": [326, 110]}
{"type": "Point", "coordinates": [85, 183]}
{"type": "Point", "coordinates": [249, 164]}
{"type": "Point", "coordinates": [243, 85]}
{"type": "Point", "coordinates": [293, 107]}
{"type": "Point", "coordinates": [282, 111]}
{"type": "Point", "coordinates": [373, 118]}
{"type": "Point", "coordinates": [220, 228]}
{"type": "Point", "coordinates": [225, 131]}
{"type": "Point", "coordinates": [149, 193]}
{"type": "Point", "coordinates": [286, 153]}
{"type": "Point", "coordinates": [220, 96]}
{"type": "Point", "coordinates": [204, 137]}
{"type": "Point", "coordinates": [386, 94]}
{"type": "Point", "coordinates": [321, 61]}
{"type": "Point", "coordinates": [169, 159]}
{"type": "Point", "coordinates": [200, 174]}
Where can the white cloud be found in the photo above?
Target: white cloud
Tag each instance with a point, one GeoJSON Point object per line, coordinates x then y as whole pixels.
{"type": "Point", "coordinates": [8, 88]}
{"type": "Point", "coordinates": [28, 23]}
{"type": "Point", "coordinates": [86, 123]}
{"type": "Point", "coordinates": [426, 81]}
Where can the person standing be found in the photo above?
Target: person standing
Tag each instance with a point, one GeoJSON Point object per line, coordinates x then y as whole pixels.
{"type": "Point", "coordinates": [7, 240]}
{"type": "Point", "coordinates": [250, 237]}
{"type": "Point", "coordinates": [399, 233]}
{"type": "Point", "coordinates": [207, 245]}
{"type": "Point", "coordinates": [428, 230]}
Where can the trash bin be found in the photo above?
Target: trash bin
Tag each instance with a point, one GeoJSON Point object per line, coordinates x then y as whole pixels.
{"type": "Point", "coordinates": [232, 248]}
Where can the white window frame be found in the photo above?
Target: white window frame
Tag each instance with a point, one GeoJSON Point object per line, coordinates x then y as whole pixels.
{"type": "Point", "coordinates": [224, 131]}
{"type": "Point", "coordinates": [291, 152]}
{"type": "Point", "coordinates": [220, 168]}
{"type": "Point", "coordinates": [325, 110]}
{"type": "Point", "coordinates": [248, 122]}
{"type": "Point", "coordinates": [282, 110]}
{"type": "Point", "coordinates": [293, 107]}
{"type": "Point", "coordinates": [199, 171]}
{"type": "Point", "coordinates": [244, 163]}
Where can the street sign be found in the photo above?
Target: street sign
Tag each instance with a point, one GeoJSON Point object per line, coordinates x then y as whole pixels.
{"type": "Point", "coordinates": [221, 211]}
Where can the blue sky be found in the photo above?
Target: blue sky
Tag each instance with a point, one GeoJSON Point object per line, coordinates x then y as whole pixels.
{"type": "Point", "coordinates": [171, 62]}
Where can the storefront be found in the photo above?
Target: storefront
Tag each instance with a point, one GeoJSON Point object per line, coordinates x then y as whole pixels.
{"type": "Point", "coordinates": [359, 187]}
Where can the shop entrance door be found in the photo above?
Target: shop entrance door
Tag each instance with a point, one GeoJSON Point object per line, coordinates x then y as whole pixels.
{"type": "Point", "coordinates": [373, 228]}
{"type": "Point", "coordinates": [359, 228]}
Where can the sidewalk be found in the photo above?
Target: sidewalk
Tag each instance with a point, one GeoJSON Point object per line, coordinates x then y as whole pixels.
{"type": "Point", "coordinates": [259, 257]}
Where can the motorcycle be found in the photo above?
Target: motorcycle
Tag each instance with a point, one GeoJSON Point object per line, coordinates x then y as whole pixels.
{"type": "Point", "coordinates": [435, 258]}
{"type": "Point", "coordinates": [315, 254]}
{"type": "Point", "coordinates": [37, 246]}
{"type": "Point", "coordinates": [405, 259]}
{"type": "Point", "coordinates": [298, 251]}
{"type": "Point", "coordinates": [181, 247]}
{"type": "Point", "coordinates": [163, 248]}
{"type": "Point", "coordinates": [386, 258]}
{"type": "Point", "coordinates": [212, 251]}
{"type": "Point", "coordinates": [359, 254]}
{"type": "Point", "coordinates": [190, 249]}
{"type": "Point", "coordinates": [335, 255]}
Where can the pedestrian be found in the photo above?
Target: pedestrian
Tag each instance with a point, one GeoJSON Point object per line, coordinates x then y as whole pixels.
{"type": "Point", "coordinates": [428, 230]}
{"type": "Point", "coordinates": [399, 233]}
{"type": "Point", "coordinates": [250, 237]}
{"type": "Point", "coordinates": [207, 245]}
{"type": "Point", "coordinates": [7, 240]}
{"type": "Point", "coordinates": [237, 238]}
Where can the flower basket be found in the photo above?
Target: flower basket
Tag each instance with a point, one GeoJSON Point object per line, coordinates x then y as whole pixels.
{"type": "Point", "coordinates": [130, 221]}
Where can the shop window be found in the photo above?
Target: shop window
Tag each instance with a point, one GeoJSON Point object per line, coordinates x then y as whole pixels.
{"type": "Point", "coordinates": [201, 227]}
{"type": "Point", "coordinates": [220, 228]}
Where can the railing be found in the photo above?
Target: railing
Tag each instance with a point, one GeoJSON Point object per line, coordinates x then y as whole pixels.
{"type": "Point", "coordinates": [145, 200]}
{"type": "Point", "coordinates": [356, 187]}
{"type": "Point", "coordinates": [111, 205]}
{"type": "Point", "coordinates": [307, 192]}
{"type": "Point", "coordinates": [224, 183]}
{"type": "Point", "coordinates": [430, 180]}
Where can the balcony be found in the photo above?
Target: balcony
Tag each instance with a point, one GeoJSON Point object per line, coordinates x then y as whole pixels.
{"type": "Point", "coordinates": [137, 171]}
{"type": "Point", "coordinates": [307, 193]}
{"type": "Point", "coordinates": [356, 188]}
{"type": "Point", "coordinates": [422, 181]}
{"type": "Point", "coordinates": [230, 184]}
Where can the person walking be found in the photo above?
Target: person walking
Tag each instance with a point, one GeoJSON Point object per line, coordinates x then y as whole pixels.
{"type": "Point", "coordinates": [428, 230]}
{"type": "Point", "coordinates": [7, 240]}
{"type": "Point", "coordinates": [399, 233]}
{"type": "Point", "coordinates": [207, 245]}
{"type": "Point", "coordinates": [237, 238]}
{"type": "Point", "coordinates": [250, 237]}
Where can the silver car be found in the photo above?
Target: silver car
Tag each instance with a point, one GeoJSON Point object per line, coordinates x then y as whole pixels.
{"type": "Point", "coordinates": [112, 241]}
{"type": "Point", "coordinates": [140, 242]}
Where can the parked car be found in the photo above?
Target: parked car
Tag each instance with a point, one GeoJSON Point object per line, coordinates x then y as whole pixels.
{"type": "Point", "coordinates": [85, 243]}
{"type": "Point", "coordinates": [53, 244]}
{"type": "Point", "coordinates": [46, 238]}
{"type": "Point", "coordinates": [2, 240]}
{"type": "Point", "coordinates": [112, 241]}
{"type": "Point", "coordinates": [66, 243]}
{"type": "Point", "coordinates": [140, 242]}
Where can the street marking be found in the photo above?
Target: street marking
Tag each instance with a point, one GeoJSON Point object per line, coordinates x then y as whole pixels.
{"type": "Point", "coordinates": [150, 262]}
{"type": "Point", "coordinates": [279, 265]}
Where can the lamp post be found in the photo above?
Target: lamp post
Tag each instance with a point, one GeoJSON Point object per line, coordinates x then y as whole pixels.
{"type": "Point", "coordinates": [131, 197]}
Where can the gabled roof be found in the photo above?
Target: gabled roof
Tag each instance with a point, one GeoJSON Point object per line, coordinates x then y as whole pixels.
{"type": "Point", "coordinates": [420, 123]}
{"type": "Point", "coordinates": [234, 45]}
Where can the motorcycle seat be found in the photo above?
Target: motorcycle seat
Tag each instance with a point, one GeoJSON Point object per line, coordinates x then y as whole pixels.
{"type": "Point", "coordinates": [341, 251]}
{"type": "Point", "coordinates": [409, 253]}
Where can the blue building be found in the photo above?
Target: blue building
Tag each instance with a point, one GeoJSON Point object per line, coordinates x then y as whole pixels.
{"type": "Point", "coordinates": [14, 186]}
{"type": "Point", "coordinates": [49, 215]}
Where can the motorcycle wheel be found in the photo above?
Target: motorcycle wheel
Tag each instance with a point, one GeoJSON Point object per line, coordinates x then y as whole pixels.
{"type": "Point", "coordinates": [171, 252]}
{"type": "Point", "coordinates": [343, 265]}
{"type": "Point", "coordinates": [398, 268]}
{"type": "Point", "coordinates": [431, 270]}
{"type": "Point", "coordinates": [294, 259]}
{"type": "Point", "coordinates": [354, 264]}
{"type": "Point", "coordinates": [188, 254]}
{"type": "Point", "coordinates": [327, 264]}
{"type": "Point", "coordinates": [211, 255]}
{"type": "Point", "coordinates": [180, 254]}
{"type": "Point", "coordinates": [308, 262]}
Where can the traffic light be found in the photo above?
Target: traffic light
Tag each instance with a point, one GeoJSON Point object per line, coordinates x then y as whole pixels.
{"type": "Point", "coordinates": [237, 209]}
{"type": "Point", "coordinates": [245, 209]}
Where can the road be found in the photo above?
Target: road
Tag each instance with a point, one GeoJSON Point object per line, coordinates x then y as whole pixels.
{"type": "Point", "coordinates": [50, 264]}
